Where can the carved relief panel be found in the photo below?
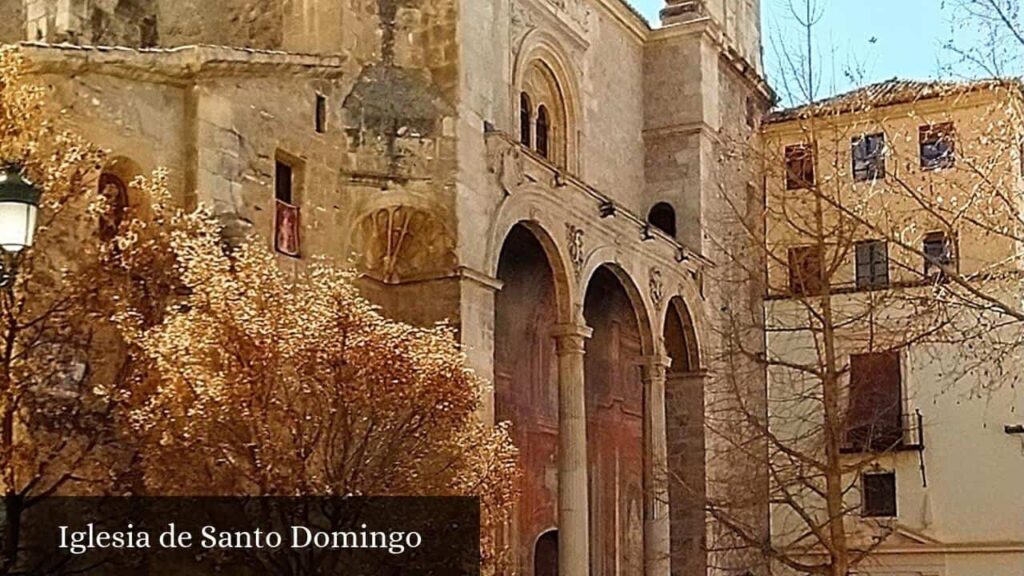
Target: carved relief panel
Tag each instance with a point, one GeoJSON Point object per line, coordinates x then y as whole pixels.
{"type": "Point", "coordinates": [397, 243]}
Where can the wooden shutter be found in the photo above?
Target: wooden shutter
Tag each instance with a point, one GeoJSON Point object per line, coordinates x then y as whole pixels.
{"type": "Point", "coordinates": [874, 420]}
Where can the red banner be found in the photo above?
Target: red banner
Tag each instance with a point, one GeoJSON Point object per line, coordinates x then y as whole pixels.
{"type": "Point", "coordinates": [286, 231]}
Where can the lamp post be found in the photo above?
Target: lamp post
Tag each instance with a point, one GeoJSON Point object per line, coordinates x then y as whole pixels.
{"type": "Point", "coordinates": [19, 208]}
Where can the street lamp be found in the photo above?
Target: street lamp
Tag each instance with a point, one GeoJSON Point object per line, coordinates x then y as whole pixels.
{"type": "Point", "coordinates": [19, 208]}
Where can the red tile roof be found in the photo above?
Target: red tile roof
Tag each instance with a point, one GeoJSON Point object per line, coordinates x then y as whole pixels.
{"type": "Point", "coordinates": [889, 93]}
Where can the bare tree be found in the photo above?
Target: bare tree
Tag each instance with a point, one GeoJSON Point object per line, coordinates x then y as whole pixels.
{"type": "Point", "coordinates": [987, 37]}
{"type": "Point", "coordinates": [890, 226]}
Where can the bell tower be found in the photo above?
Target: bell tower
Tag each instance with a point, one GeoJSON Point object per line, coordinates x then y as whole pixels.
{"type": "Point", "coordinates": [739, 20]}
{"type": "Point", "coordinates": [704, 94]}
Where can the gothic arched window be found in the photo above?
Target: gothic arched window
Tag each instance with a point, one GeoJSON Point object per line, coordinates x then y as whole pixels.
{"type": "Point", "coordinates": [551, 128]}
{"type": "Point", "coordinates": [543, 131]}
{"type": "Point", "coordinates": [663, 217]}
{"type": "Point", "coordinates": [525, 118]}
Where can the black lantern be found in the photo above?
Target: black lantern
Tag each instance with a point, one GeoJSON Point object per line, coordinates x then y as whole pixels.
{"type": "Point", "coordinates": [19, 208]}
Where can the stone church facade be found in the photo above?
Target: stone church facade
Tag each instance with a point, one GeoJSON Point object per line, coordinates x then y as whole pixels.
{"type": "Point", "coordinates": [546, 175]}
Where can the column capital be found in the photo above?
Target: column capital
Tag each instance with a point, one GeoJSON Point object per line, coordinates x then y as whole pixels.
{"type": "Point", "coordinates": [655, 367]}
{"type": "Point", "coordinates": [571, 336]}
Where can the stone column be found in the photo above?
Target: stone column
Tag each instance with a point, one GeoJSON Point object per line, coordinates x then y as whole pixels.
{"type": "Point", "coordinates": [657, 540]}
{"type": "Point", "coordinates": [573, 503]}
{"type": "Point", "coordinates": [687, 462]}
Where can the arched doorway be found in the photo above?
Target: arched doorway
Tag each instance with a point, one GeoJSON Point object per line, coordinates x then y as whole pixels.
{"type": "Point", "coordinates": [614, 404]}
{"type": "Point", "coordinates": [684, 411]}
{"type": "Point", "coordinates": [545, 556]}
{"type": "Point", "coordinates": [525, 381]}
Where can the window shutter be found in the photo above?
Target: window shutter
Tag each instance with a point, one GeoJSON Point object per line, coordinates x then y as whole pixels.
{"type": "Point", "coordinates": [874, 419]}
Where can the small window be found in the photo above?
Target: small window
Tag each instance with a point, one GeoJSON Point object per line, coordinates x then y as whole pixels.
{"type": "Point", "coordinates": [321, 114]}
{"type": "Point", "coordinates": [751, 110]}
{"type": "Point", "coordinates": [938, 250]}
{"type": "Point", "coordinates": [115, 193]}
{"type": "Point", "coordinates": [286, 213]}
{"type": "Point", "coordinates": [543, 131]}
{"type": "Point", "coordinates": [525, 119]}
{"type": "Point", "coordinates": [663, 217]}
{"type": "Point", "coordinates": [283, 182]}
{"type": "Point", "coordinates": [804, 270]}
{"type": "Point", "coordinates": [879, 494]}
{"type": "Point", "coordinates": [872, 264]}
{"type": "Point", "coordinates": [938, 146]}
{"type": "Point", "coordinates": [799, 167]}
{"type": "Point", "coordinates": [869, 157]}
{"type": "Point", "coordinates": [874, 417]}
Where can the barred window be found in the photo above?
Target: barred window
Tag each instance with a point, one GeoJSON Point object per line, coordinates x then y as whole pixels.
{"type": "Point", "coordinates": [879, 494]}
{"type": "Point", "coordinates": [869, 157]}
{"type": "Point", "coordinates": [872, 264]}
{"type": "Point", "coordinates": [938, 250]}
{"type": "Point", "coordinates": [938, 146]}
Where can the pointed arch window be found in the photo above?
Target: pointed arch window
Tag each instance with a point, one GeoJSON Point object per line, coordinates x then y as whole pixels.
{"type": "Point", "coordinates": [525, 119]}
{"type": "Point", "coordinates": [543, 131]}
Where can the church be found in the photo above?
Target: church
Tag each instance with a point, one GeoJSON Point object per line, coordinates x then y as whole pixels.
{"type": "Point", "coordinates": [548, 176]}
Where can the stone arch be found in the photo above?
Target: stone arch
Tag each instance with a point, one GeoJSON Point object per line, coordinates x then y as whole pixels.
{"type": "Point", "coordinates": [607, 257]}
{"type": "Point", "coordinates": [525, 209]}
{"type": "Point", "coordinates": [685, 438]}
{"type": "Point", "coordinates": [680, 337]}
{"type": "Point", "coordinates": [546, 73]}
{"type": "Point", "coordinates": [526, 378]}
{"type": "Point", "coordinates": [615, 415]}
{"type": "Point", "coordinates": [392, 238]}
{"type": "Point", "coordinates": [545, 554]}
{"type": "Point", "coordinates": [114, 184]}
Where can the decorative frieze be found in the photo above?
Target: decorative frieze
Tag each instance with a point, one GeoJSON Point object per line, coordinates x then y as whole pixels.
{"type": "Point", "coordinates": [576, 248]}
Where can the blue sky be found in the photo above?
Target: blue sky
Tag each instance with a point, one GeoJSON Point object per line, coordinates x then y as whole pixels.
{"type": "Point", "coordinates": [879, 38]}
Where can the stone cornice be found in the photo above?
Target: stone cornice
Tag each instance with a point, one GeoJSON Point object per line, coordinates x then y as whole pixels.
{"type": "Point", "coordinates": [626, 15]}
{"type": "Point", "coordinates": [712, 31]}
{"type": "Point", "coordinates": [177, 65]}
{"type": "Point", "coordinates": [560, 179]}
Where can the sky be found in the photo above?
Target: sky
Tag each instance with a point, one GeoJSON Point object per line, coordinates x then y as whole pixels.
{"type": "Point", "coordinates": [879, 39]}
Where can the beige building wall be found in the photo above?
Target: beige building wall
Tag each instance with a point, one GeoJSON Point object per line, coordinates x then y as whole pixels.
{"type": "Point", "coordinates": [958, 499]}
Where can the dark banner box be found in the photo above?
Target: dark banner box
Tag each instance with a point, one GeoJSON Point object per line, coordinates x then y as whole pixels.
{"type": "Point", "coordinates": [243, 536]}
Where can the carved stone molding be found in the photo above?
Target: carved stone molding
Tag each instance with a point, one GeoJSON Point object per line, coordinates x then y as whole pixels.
{"type": "Point", "coordinates": [506, 162]}
{"type": "Point", "coordinates": [576, 248]}
{"type": "Point", "coordinates": [521, 23]}
{"type": "Point", "coordinates": [397, 242]}
{"type": "Point", "coordinates": [698, 279]}
{"type": "Point", "coordinates": [656, 284]}
{"type": "Point", "coordinates": [572, 15]}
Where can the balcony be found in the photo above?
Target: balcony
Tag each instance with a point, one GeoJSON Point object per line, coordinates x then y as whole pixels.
{"type": "Point", "coordinates": [904, 434]}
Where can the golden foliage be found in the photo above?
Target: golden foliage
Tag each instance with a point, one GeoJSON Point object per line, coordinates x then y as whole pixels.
{"type": "Point", "coordinates": [220, 373]}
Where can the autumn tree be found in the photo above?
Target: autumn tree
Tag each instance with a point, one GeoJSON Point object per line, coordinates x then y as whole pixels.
{"type": "Point", "coordinates": [143, 353]}
{"type": "Point", "coordinates": [269, 384]}
{"type": "Point", "coordinates": [58, 345]}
